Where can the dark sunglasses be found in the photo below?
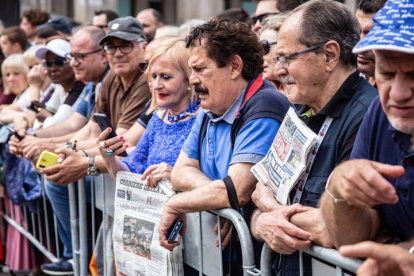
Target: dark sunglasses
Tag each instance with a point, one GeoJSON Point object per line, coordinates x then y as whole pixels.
{"type": "Point", "coordinates": [266, 46]}
{"type": "Point", "coordinates": [59, 62]}
{"type": "Point", "coordinates": [143, 66]}
{"type": "Point", "coordinates": [262, 16]}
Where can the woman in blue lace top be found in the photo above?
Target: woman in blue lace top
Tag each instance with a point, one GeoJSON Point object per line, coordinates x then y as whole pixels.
{"type": "Point", "coordinates": [175, 106]}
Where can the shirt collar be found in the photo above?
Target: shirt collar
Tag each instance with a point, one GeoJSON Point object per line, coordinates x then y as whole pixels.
{"type": "Point", "coordinates": [230, 114]}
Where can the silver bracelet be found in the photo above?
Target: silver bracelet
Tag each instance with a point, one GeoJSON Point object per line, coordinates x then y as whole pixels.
{"type": "Point", "coordinates": [336, 200]}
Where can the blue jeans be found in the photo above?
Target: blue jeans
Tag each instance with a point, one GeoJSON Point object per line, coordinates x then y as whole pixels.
{"type": "Point", "coordinates": [59, 199]}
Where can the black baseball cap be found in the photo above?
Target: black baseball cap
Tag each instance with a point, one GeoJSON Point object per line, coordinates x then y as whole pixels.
{"type": "Point", "coordinates": [126, 28]}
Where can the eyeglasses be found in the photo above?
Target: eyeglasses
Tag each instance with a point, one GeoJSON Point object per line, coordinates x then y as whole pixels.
{"type": "Point", "coordinates": [262, 16]}
{"type": "Point", "coordinates": [79, 57]}
{"type": "Point", "coordinates": [266, 46]}
{"type": "Point", "coordinates": [59, 62]}
{"type": "Point", "coordinates": [284, 60]}
{"type": "Point", "coordinates": [143, 66]}
{"type": "Point", "coordinates": [124, 47]}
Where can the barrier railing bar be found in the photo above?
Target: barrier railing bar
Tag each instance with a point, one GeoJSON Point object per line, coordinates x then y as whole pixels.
{"type": "Point", "coordinates": [339, 271]}
{"type": "Point", "coordinates": [249, 266]}
{"type": "Point", "coordinates": [93, 211]}
{"type": "Point", "coordinates": [333, 257]}
{"type": "Point", "coordinates": [45, 215]}
{"type": "Point", "coordinates": [32, 218]}
{"type": "Point", "coordinates": [266, 261]}
{"type": "Point", "coordinates": [83, 231]}
{"type": "Point", "coordinates": [300, 263]}
{"type": "Point", "coordinates": [56, 236]}
{"type": "Point", "coordinates": [220, 247]}
{"type": "Point", "coordinates": [39, 222]}
{"type": "Point", "coordinates": [200, 248]}
{"type": "Point", "coordinates": [25, 217]}
{"type": "Point", "coordinates": [74, 228]}
{"type": "Point", "coordinates": [31, 238]}
{"type": "Point", "coordinates": [104, 220]}
{"type": "Point", "coordinates": [11, 208]}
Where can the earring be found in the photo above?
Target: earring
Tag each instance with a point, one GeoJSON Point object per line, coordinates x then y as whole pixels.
{"type": "Point", "coordinates": [189, 88]}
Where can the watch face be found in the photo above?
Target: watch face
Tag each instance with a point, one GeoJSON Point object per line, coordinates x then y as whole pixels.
{"type": "Point", "coordinates": [93, 171]}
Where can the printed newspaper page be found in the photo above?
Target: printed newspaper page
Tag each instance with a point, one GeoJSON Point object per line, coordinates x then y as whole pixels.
{"type": "Point", "coordinates": [138, 210]}
{"type": "Point", "coordinates": [287, 158]}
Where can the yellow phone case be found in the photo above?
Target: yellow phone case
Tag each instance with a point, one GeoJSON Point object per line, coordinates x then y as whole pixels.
{"type": "Point", "coordinates": [47, 159]}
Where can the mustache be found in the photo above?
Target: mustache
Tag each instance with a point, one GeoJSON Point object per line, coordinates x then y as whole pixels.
{"type": "Point", "coordinates": [288, 79]}
{"type": "Point", "coordinates": [200, 90]}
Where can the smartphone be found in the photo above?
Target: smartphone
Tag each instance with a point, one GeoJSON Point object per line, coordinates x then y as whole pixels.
{"type": "Point", "coordinates": [104, 123]}
{"type": "Point", "coordinates": [14, 132]}
{"type": "Point", "coordinates": [174, 230]}
{"type": "Point", "coordinates": [47, 159]}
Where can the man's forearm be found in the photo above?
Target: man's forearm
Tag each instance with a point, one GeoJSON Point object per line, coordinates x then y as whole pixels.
{"type": "Point", "coordinates": [253, 224]}
{"type": "Point", "coordinates": [61, 129]}
{"type": "Point", "coordinates": [208, 197]}
{"type": "Point", "coordinates": [188, 179]}
{"type": "Point", "coordinates": [348, 224]}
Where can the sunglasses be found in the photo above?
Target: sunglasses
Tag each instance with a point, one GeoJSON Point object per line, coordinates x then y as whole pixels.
{"type": "Point", "coordinates": [266, 46]}
{"type": "Point", "coordinates": [59, 62]}
{"type": "Point", "coordinates": [143, 66]}
{"type": "Point", "coordinates": [262, 16]}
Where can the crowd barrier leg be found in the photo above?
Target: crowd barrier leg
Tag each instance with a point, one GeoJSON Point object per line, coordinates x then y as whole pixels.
{"type": "Point", "coordinates": [74, 228]}
{"type": "Point", "coordinates": [200, 248]}
{"type": "Point", "coordinates": [83, 228]}
{"type": "Point", "coordinates": [266, 260]}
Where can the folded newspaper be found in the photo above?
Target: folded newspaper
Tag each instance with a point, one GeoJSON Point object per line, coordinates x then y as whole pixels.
{"type": "Point", "coordinates": [286, 160]}
{"type": "Point", "coordinates": [138, 209]}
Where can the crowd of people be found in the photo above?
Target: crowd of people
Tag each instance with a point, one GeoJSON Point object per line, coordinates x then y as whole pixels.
{"type": "Point", "coordinates": [200, 105]}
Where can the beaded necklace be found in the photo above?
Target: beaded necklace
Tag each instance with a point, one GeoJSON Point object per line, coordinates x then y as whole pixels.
{"type": "Point", "coordinates": [191, 111]}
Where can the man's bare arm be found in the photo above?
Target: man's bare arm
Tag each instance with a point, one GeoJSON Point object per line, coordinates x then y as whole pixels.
{"type": "Point", "coordinates": [72, 124]}
{"type": "Point", "coordinates": [186, 174]}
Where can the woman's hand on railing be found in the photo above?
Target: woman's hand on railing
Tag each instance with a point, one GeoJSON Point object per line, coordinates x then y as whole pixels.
{"type": "Point", "coordinates": [111, 147]}
{"type": "Point", "coordinates": [155, 173]}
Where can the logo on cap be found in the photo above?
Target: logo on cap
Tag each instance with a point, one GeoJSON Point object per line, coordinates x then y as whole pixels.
{"type": "Point", "coordinates": [115, 26]}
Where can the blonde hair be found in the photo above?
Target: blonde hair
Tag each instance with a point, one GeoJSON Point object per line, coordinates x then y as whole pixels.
{"type": "Point", "coordinates": [176, 51]}
{"type": "Point", "coordinates": [29, 55]}
{"type": "Point", "coordinates": [14, 62]}
{"type": "Point", "coordinates": [273, 22]}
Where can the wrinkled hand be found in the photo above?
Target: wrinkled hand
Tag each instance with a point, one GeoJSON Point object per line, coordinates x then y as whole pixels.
{"type": "Point", "coordinates": [32, 150]}
{"type": "Point", "coordinates": [382, 259]}
{"type": "Point", "coordinates": [155, 173]}
{"type": "Point", "coordinates": [281, 235]}
{"type": "Point", "coordinates": [72, 166]}
{"type": "Point", "coordinates": [226, 232]}
{"type": "Point", "coordinates": [116, 144]}
{"type": "Point", "coordinates": [263, 198]}
{"type": "Point", "coordinates": [36, 76]}
{"type": "Point", "coordinates": [169, 216]}
{"type": "Point", "coordinates": [361, 183]}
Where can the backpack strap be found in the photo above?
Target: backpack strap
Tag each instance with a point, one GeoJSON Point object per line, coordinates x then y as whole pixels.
{"type": "Point", "coordinates": [201, 135]}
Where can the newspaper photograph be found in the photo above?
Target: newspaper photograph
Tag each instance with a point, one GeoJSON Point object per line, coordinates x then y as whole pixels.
{"type": "Point", "coordinates": [287, 158]}
{"type": "Point", "coordinates": [138, 209]}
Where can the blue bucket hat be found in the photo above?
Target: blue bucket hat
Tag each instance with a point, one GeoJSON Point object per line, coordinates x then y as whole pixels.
{"type": "Point", "coordinates": [393, 29]}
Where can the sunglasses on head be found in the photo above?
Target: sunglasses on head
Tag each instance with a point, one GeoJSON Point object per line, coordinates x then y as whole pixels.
{"type": "Point", "coordinates": [59, 62]}
{"type": "Point", "coordinates": [266, 46]}
{"type": "Point", "coordinates": [262, 16]}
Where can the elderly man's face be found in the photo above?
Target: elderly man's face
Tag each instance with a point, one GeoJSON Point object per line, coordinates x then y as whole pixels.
{"type": "Point", "coordinates": [394, 74]}
{"type": "Point", "coordinates": [366, 60]}
{"type": "Point", "coordinates": [213, 84]}
{"type": "Point", "coordinates": [304, 76]}
{"type": "Point", "coordinates": [125, 64]}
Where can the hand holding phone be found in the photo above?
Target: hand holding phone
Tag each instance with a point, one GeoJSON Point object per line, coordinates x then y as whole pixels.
{"type": "Point", "coordinates": [104, 124]}
{"type": "Point", "coordinates": [174, 230]}
{"type": "Point", "coordinates": [47, 159]}
{"type": "Point", "coordinates": [15, 133]}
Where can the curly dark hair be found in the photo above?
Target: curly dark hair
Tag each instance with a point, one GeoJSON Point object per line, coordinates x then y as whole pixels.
{"type": "Point", "coordinates": [370, 6]}
{"type": "Point", "coordinates": [223, 39]}
{"type": "Point", "coordinates": [36, 16]}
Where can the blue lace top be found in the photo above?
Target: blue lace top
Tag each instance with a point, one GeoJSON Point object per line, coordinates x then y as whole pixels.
{"type": "Point", "coordinates": [160, 142]}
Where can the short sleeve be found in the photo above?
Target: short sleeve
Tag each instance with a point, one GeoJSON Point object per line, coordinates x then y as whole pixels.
{"type": "Point", "coordinates": [82, 108]}
{"type": "Point", "coordinates": [254, 140]}
{"type": "Point", "coordinates": [190, 147]}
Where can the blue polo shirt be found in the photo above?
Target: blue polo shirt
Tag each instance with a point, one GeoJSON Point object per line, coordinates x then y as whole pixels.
{"type": "Point", "coordinates": [377, 140]}
{"type": "Point", "coordinates": [251, 144]}
{"type": "Point", "coordinates": [87, 105]}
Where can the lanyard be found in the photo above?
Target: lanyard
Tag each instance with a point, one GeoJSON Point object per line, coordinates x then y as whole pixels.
{"type": "Point", "coordinates": [302, 180]}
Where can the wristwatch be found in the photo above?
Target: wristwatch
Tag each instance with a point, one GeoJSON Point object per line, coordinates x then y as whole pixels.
{"type": "Point", "coordinates": [92, 169]}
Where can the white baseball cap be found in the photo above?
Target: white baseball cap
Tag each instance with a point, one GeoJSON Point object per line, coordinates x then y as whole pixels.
{"type": "Point", "coordinates": [57, 46]}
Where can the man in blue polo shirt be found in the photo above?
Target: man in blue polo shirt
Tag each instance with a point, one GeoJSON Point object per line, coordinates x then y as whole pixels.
{"type": "Point", "coordinates": [375, 191]}
{"type": "Point", "coordinates": [242, 113]}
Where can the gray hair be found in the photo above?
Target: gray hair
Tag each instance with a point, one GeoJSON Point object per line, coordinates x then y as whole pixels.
{"type": "Point", "coordinates": [325, 20]}
{"type": "Point", "coordinates": [96, 33]}
{"type": "Point", "coordinates": [274, 22]}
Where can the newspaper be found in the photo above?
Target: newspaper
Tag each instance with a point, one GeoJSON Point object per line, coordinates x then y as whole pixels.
{"type": "Point", "coordinates": [138, 210]}
{"type": "Point", "coordinates": [286, 160]}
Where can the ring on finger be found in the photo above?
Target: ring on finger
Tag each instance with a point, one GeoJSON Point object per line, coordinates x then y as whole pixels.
{"type": "Point", "coordinates": [109, 152]}
{"type": "Point", "coordinates": [102, 144]}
